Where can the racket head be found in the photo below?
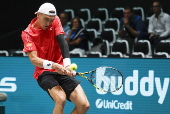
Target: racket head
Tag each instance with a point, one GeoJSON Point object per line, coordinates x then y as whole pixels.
{"type": "Point", "coordinates": [106, 79]}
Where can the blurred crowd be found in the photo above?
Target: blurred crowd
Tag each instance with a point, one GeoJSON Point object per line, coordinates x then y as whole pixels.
{"type": "Point", "coordinates": [91, 37]}
{"type": "Point", "coordinates": [125, 32]}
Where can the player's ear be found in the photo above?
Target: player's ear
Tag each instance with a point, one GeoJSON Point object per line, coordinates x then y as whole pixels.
{"type": "Point", "coordinates": [38, 14]}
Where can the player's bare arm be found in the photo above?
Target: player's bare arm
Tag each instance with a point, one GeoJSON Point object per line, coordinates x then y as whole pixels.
{"type": "Point", "coordinates": [35, 60]}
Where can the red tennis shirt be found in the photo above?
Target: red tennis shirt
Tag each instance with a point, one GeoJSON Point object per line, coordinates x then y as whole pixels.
{"type": "Point", "coordinates": [44, 42]}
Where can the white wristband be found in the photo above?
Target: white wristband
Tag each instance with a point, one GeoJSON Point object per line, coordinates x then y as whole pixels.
{"type": "Point", "coordinates": [47, 64]}
{"type": "Point", "coordinates": [66, 62]}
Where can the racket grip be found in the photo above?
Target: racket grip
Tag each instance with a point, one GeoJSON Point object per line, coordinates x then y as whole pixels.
{"type": "Point", "coordinates": [74, 73]}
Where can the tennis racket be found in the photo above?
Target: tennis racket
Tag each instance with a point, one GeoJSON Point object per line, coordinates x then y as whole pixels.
{"type": "Point", "coordinates": [106, 79]}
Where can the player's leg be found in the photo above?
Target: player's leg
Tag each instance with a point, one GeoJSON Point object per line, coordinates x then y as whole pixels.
{"type": "Point", "coordinates": [80, 100]}
{"type": "Point", "coordinates": [74, 93]}
{"type": "Point", "coordinates": [49, 84]}
{"type": "Point", "coordinates": [59, 97]}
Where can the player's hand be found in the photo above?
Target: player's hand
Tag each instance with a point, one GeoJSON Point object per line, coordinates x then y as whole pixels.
{"type": "Point", "coordinates": [72, 72]}
{"type": "Point", "coordinates": [60, 69]}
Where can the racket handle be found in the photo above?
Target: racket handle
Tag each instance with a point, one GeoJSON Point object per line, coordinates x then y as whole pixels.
{"type": "Point", "coordinates": [74, 73]}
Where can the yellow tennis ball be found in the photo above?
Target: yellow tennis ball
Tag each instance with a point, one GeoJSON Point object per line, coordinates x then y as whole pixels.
{"type": "Point", "coordinates": [73, 67]}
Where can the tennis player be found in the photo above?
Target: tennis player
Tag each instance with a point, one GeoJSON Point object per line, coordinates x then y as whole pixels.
{"type": "Point", "coordinates": [47, 49]}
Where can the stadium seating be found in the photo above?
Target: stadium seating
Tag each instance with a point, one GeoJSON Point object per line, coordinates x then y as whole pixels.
{"type": "Point", "coordinates": [117, 13]}
{"type": "Point", "coordinates": [82, 22]}
{"type": "Point", "coordinates": [4, 53]}
{"type": "Point", "coordinates": [94, 55]}
{"type": "Point", "coordinates": [18, 53]}
{"type": "Point", "coordinates": [85, 14]}
{"type": "Point", "coordinates": [100, 48]}
{"type": "Point", "coordinates": [71, 14]}
{"type": "Point", "coordinates": [95, 23]}
{"type": "Point", "coordinates": [102, 14]}
{"type": "Point", "coordinates": [162, 49]}
{"type": "Point", "coordinates": [112, 23]}
{"type": "Point", "coordinates": [149, 13]}
{"type": "Point", "coordinates": [92, 33]}
{"type": "Point", "coordinates": [142, 49]}
{"type": "Point", "coordinates": [95, 51]}
{"type": "Point", "coordinates": [161, 55]}
{"type": "Point", "coordinates": [76, 54]}
{"type": "Point", "coordinates": [120, 49]}
{"type": "Point", "coordinates": [104, 24]}
{"type": "Point", "coordinates": [109, 35]}
{"type": "Point", "coordinates": [139, 11]}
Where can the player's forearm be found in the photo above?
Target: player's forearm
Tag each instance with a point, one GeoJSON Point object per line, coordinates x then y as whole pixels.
{"type": "Point", "coordinates": [36, 61]}
{"type": "Point", "coordinates": [45, 64]}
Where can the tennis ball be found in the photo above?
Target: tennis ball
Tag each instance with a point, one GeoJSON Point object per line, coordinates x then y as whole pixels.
{"type": "Point", "coordinates": [73, 67]}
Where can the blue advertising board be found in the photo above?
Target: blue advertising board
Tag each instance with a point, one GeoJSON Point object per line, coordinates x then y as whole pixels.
{"type": "Point", "coordinates": [145, 90]}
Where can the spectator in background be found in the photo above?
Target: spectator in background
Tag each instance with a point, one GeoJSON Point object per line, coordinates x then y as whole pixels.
{"type": "Point", "coordinates": [132, 27]}
{"type": "Point", "coordinates": [64, 20]}
{"type": "Point", "coordinates": [77, 37]}
{"type": "Point", "coordinates": [159, 24]}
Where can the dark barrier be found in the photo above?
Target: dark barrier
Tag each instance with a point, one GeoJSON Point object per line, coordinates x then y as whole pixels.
{"type": "Point", "coordinates": [2, 109]}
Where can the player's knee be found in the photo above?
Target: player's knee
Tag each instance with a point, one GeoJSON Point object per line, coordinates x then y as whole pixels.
{"type": "Point", "coordinates": [60, 100]}
{"type": "Point", "coordinates": [85, 106]}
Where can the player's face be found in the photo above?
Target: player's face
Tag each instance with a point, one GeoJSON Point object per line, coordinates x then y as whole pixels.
{"type": "Point", "coordinates": [45, 20]}
{"type": "Point", "coordinates": [156, 7]}
{"type": "Point", "coordinates": [127, 13]}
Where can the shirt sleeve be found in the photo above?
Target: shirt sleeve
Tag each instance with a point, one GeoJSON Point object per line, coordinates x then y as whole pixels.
{"type": "Point", "coordinates": [121, 23]}
{"type": "Point", "coordinates": [58, 27]}
{"type": "Point", "coordinates": [140, 26]}
{"type": "Point", "coordinates": [28, 43]}
{"type": "Point", "coordinates": [167, 27]}
{"type": "Point", "coordinates": [151, 27]}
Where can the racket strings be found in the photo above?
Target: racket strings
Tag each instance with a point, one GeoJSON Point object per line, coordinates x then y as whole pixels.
{"type": "Point", "coordinates": [107, 79]}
